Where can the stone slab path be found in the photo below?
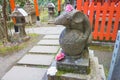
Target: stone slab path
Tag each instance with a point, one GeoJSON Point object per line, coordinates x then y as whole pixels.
{"type": "Point", "coordinates": [25, 73]}
{"type": "Point", "coordinates": [49, 42]}
{"type": "Point", "coordinates": [32, 65]}
{"type": "Point", "coordinates": [33, 59]}
{"type": "Point", "coordinates": [51, 37]}
{"type": "Point", "coordinates": [46, 30]}
{"type": "Point", "coordinates": [44, 49]}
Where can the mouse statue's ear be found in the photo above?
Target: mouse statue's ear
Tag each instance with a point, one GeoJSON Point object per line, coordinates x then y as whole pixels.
{"type": "Point", "coordinates": [78, 17]}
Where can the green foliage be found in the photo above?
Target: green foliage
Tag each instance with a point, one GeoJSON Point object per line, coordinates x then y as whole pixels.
{"type": "Point", "coordinates": [1, 2]}
{"type": "Point", "coordinates": [60, 73]}
{"type": "Point", "coordinates": [45, 2]}
{"type": "Point", "coordinates": [20, 2]}
{"type": "Point", "coordinates": [13, 48]}
{"type": "Point", "coordinates": [44, 16]}
{"type": "Point", "coordinates": [33, 35]}
{"type": "Point", "coordinates": [4, 50]}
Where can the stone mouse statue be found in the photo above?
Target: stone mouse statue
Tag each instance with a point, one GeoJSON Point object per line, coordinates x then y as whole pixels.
{"type": "Point", "coordinates": [74, 38]}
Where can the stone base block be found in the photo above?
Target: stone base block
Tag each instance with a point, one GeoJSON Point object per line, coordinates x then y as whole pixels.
{"type": "Point", "coordinates": [51, 22]}
{"type": "Point", "coordinates": [26, 38]}
{"type": "Point", "coordinates": [73, 64]}
{"type": "Point", "coordinates": [96, 72]}
{"type": "Point", "coordinates": [69, 76]}
{"type": "Point", "coordinates": [78, 66]}
{"type": "Point", "coordinates": [38, 23]}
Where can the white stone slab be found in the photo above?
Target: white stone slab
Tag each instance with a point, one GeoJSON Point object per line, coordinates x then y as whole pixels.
{"type": "Point", "coordinates": [46, 30]}
{"type": "Point", "coordinates": [34, 59]}
{"type": "Point", "coordinates": [25, 73]}
{"type": "Point", "coordinates": [44, 49]}
{"type": "Point", "coordinates": [49, 42]}
{"type": "Point", "coordinates": [51, 37]}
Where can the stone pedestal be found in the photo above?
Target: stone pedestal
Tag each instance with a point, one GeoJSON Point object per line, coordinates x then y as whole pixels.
{"type": "Point", "coordinates": [51, 21]}
{"type": "Point", "coordinates": [80, 65]}
{"type": "Point", "coordinates": [96, 72]}
{"type": "Point", "coordinates": [37, 23]}
{"type": "Point", "coordinates": [18, 38]}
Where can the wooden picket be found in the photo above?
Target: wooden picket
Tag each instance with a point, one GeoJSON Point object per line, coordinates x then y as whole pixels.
{"type": "Point", "coordinates": [111, 8]}
{"type": "Point", "coordinates": [95, 32]}
{"type": "Point", "coordinates": [104, 19]}
{"type": "Point", "coordinates": [117, 19]}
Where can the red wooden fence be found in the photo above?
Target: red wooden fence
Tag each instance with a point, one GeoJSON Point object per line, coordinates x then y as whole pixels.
{"type": "Point", "coordinates": [101, 1]}
{"type": "Point", "coordinates": [105, 19]}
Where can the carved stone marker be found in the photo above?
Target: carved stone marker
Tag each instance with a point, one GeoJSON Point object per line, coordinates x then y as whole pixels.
{"type": "Point", "coordinates": [114, 72]}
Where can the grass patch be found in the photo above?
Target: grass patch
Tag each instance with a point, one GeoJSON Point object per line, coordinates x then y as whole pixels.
{"type": "Point", "coordinates": [11, 49]}
{"type": "Point", "coordinates": [4, 50]}
{"type": "Point", "coordinates": [33, 35]}
{"type": "Point", "coordinates": [44, 15]}
{"type": "Point", "coordinates": [60, 73]}
{"type": "Point", "coordinates": [106, 72]}
{"type": "Point", "coordinates": [101, 48]}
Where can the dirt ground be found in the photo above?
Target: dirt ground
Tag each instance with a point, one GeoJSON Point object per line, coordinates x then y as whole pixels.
{"type": "Point", "coordinates": [104, 58]}
{"type": "Point", "coordinates": [7, 62]}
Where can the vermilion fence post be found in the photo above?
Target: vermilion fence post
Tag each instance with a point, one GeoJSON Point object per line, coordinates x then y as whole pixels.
{"type": "Point", "coordinates": [117, 18]}
{"type": "Point", "coordinates": [12, 4]}
{"type": "Point", "coordinates": [102, 26]}
{"type": "Point", "coordinates": [110, 18]}
{"type": "Point", "coordinates": [91, 13]}
{"type": "Point", "coordinates": [59, 7]}
{"type": "Point", "coordinates": [85, 8]}
{"type": "Point", "coordinates": [95, 32]}
{"type": "Point", "coordinates": [79, 4]}
{"type": "Point", "coordinates": [36, 9]}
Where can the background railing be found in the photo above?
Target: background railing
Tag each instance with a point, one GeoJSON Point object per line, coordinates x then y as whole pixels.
{"type": "Point", "coordinates": [105, 19]}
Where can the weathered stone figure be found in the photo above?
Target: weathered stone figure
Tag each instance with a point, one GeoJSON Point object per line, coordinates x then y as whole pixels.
{"type": "Point", "coordinates": [74, 41]}
{"type": "Point", "coordinates": [51, 12]}
{"type": "Point", "coordinates": [74, 38]}
{"type": "Point", "coordinates": [78, 63]}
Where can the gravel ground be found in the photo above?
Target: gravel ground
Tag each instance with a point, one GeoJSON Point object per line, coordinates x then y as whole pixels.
{"type": "Point", "coordinates": [7, 62]}
{"type": "Point", "coordinates": [104, 59]}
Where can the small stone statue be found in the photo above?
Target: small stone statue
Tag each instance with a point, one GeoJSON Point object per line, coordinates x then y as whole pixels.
{"type": "Point", "coordinates": [51, 12]}
{"type": "Point", "coordinates": [74, 38]}
{"type": "Point", "coordinates": [77, 64]}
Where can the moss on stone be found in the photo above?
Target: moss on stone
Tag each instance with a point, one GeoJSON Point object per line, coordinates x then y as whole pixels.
{"type": "Point", "coordinates": [88, 70]}
{"type": "Point", "coordinates": [101, 48]}
{"type": "Point", "coordinates": [60, 73]}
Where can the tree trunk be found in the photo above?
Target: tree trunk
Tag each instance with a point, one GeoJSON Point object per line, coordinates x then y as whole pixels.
{"type": "Point", "coordinates": [5, 20]}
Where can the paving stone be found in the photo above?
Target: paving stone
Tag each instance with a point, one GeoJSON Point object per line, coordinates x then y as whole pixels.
{"type": "Point", "coordinates": [51, 37]}
{"type": "Point", "coordinates": [34, 59]}
{"type": "Point", "coordinates": [25, 73]}
{"type": "Point", "coordinates": [49, 42]}
{"type": "Point", "coordinates": [46, 30]}
{"type": "Point", "coordinates": [44, 49]}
